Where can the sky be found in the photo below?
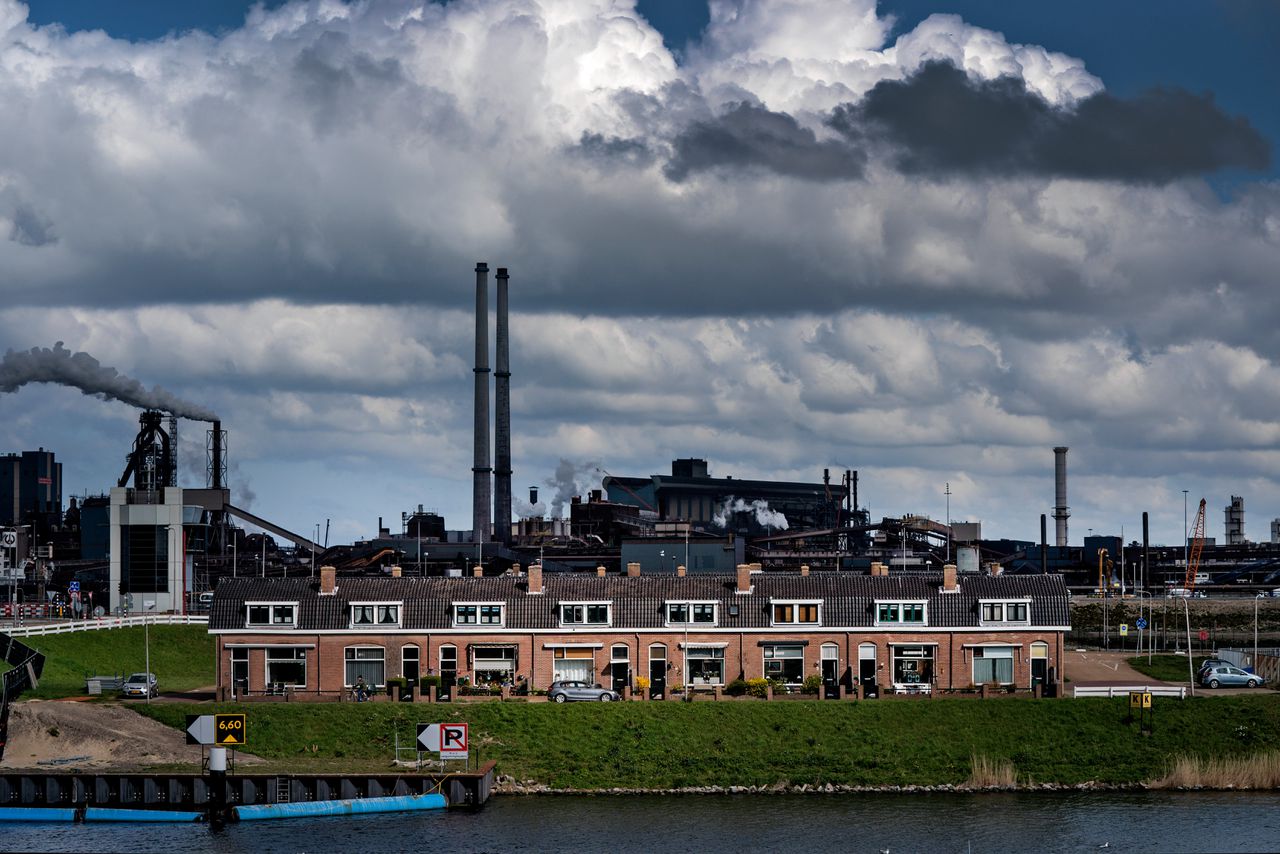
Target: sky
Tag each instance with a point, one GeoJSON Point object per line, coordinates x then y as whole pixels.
{"type": "Point", "coordinates": [925, 240]}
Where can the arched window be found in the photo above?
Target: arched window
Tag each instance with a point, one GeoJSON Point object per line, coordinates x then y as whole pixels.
{"type": "Point", "coordinates": [409, 657]}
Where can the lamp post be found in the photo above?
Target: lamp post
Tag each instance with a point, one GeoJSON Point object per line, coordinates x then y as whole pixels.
{"type": "Point", "coordinates": [1191, 673]}
{"type": "Point", "coordinates": [1185, 555]}
{"type": "Point", "coordinates": [947, 492]}
{"type": "Point", "coordinates": [1254, 660]}
{"type": "Point", "coordinates": [147, 605]}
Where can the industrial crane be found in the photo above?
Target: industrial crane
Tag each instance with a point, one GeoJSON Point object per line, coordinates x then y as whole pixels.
{"type": "Point", "coordinates": [1197, 549]}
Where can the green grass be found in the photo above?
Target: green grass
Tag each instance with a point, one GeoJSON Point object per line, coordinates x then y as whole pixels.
{"type": "Point", "coordinates": [666, 745]}
{"type": "Point", "coordinates": [1166, 668]}
{"type": "Point", "coordinates": [181, 657]}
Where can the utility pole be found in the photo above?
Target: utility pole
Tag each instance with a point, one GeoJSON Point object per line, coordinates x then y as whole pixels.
{"type": "Point", "coordinates": [947, 492]}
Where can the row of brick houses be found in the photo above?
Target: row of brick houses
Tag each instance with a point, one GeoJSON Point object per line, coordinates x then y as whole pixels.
{"type": "Point", "coordinates": [909, 633]}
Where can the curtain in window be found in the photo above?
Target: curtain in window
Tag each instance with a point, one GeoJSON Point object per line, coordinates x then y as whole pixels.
{"type": "Point", "coordinates": [368, 662]}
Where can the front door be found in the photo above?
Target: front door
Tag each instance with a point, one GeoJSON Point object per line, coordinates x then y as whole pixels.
{"type": "Point", "coordinates": [1039, 671]}
{"type": "Point", "coordinates": [657, 678]}
{"type": "Point", "coordinates": [830, 678]}
{"type": "Point", "coordinates": [867, 676]}
{"type": "Point", "coordinates": [620, 668]}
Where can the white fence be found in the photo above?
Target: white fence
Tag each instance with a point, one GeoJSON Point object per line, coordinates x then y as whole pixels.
{"type": "Point", "coordinates": [1179, 691]}
{"type": "Point", "coordinates": [104, 623]}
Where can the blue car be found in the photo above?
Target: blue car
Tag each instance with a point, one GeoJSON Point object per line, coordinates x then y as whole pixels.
{"type": "Point", "coordinates": [1225, 674]}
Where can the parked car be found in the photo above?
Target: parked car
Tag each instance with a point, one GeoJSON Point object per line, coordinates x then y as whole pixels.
{"type": "Point", "coordinates": [139, 685]}
{"type": "Point", "coordinates": [1208, 664]}
{"type": "Point", "coordinates": [568, 691]}
{"type": "Point", "coordinates": [204, 600]}
{"type": "Point", "coordinates": [1217, 677]}
{"type": "Point", "coordinates": [1275, 594]}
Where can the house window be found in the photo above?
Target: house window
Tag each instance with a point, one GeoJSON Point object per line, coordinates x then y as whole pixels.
{"type": "Point", "coordinates": [1005, 612]}
{"type": "Point", "coordinates": [287, 665]}
{"type": "Point", "coordinates": [993, 664]}
{"type": "Point", "coordinates": [374, 616]}
{"type": "Point", "coordinates": [695, 613]}
{"type": "Point", "coordinates": [705, 665]}
{"type": "Point", "coordinates": [272, 615]}
{"type": "Point", "coordinates": [494, 664]}
{"type": "Point", "coordinates": [796, 613]}
{"type": "Point", "coordinates": [366, 661]}
{"type": "Point", "coordinates": [900, 613]}
{"type": "Point", "coordinates": [240, 670]}
{"type": "Point", "coordinates": [448, 660]}
{"type": "Point", "coordinates": [409, 663]}
{"type": "Point", "coordinates": [784, 661]}
{"type": "Point", "coordinates": [912, 665]}
{"type": "Point", "coordinates": [473, 615]}
{"type": "Point", "coordinates": [572, 664]}
{"type": "Point", "coordinates": [586, 614]}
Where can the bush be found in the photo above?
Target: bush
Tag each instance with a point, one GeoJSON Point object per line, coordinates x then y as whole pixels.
{"type": "Point", "coordinates": [779, 686]}
{"type": "Point", "coordinates": [736, 688]}
{"type": "Point", "coordinates": [642, 683]}
{"type": "Point", "coordinates": [812, 684]}
{"type": "Point", "coordinates": [397, 682]}
{"type": "Point", "coordinates": [428, 682]}
{"type": "Point", "coordinates": [757, 687]}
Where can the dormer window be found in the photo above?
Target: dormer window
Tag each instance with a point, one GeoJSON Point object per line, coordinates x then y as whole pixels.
{"type": "Point", "coordinates": [796, 612]}
{"type": "Point", "coordinates": [478, 614]}
{"type": "Point", "coordinates": [271, 615]}
{"type": "Point", "coordinates": [901, 613]}
{"type": "Point", "coordinates": [1006, 612]}
{"type": "Point", "coordinates": [585, 614]}
{"type": "Point", "coordinates": [691, 613]}
{"type": "Point", "coordinates": [375, 615]}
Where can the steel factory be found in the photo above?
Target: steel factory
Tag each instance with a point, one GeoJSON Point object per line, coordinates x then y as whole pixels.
{"type": "Point", "coordinates": [150, 542]}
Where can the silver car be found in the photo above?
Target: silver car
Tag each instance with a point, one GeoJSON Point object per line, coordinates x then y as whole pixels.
{"type": "Point", "coordinates": [1225, 674]}
{"type": "Point", "coordinates": [139, 685]}
{"type": "Point", "coordinates": [569, 691]}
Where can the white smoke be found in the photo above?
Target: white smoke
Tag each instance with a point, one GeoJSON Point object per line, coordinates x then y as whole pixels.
{"type": "Point", "coordinates": [80, 370]}
{"type": "Point", "coordinates": [764, 516]}
{"type": "Point", "coordinates": [525, 510]}
{"type": "Point", "coordinates": [570, 480]}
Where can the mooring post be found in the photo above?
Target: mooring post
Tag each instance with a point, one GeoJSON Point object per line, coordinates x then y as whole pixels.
{"type": "Point", "coordinates": [217, 784]}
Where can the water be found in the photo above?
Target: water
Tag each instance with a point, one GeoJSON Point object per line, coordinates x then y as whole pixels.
{"type": "Point", "coordinates": [711, 824]}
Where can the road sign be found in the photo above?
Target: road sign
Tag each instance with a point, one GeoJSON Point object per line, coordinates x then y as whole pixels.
{"type": "Point", "coordinates": [449, 740]}
{"type": "Point", "coordinates": [199, 729]}
{"type": "Point", "coordinates": [9, 539]}
{"type": "Point", "coordinates": [73, 587]}
{"type": "Point", "coordinates": [1141, 623]}
{"type": "Point", "coordinates": [1139, 699]}
{"type": "Point", "coordinates": [229, 729]}
{"type": "Point", "coordinates": [1124, 630]}
{"type": "Point", "coordinates": [1204, 635]}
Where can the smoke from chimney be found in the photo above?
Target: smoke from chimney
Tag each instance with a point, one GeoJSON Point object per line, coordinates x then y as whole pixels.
{"type": "Point", "coordinates": [80, 370]}
{"type": "Point", "coordinates": [765, 517]}
{"type": "Point", "coordinates": [571, 480]}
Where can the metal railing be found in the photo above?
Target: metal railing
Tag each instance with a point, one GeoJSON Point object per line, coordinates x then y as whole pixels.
{"type": "Point", "coordinates": [110, 623]}
{"type": "Point", "coordinates": [1179, 691]}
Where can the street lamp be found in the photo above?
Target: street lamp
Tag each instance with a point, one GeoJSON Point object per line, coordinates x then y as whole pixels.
{"type": "Point", "coordinates": [147, 605]}
{"type": "Point", "coordinates": [1254, 660]}
{"type": "Point", "coordinates": [947, 492]}
{"type": "Point", "coordinates": [1191, 673]}
{"type": "Point", "coordinates": [1185, 556]}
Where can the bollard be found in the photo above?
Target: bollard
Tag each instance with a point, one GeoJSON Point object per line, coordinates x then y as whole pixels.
{"type": "Point", "coordinates": [217, 784]}
{"type": "Point", "coordinates": [431, 693]}
{"type": "Point", "coordinates": [768, 692]}
{"type": "Point", "coordinates": [843, 692]}
{"type": "Point", "coordinates": [1036, 692]}
{"type": "Point", "coordinates": [719, 693]}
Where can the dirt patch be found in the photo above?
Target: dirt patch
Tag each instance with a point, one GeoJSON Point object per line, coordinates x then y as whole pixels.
{"type": "Point", "coordinates": [1104, 668]}
{"type": "Point", "coordinates": [111, 737]}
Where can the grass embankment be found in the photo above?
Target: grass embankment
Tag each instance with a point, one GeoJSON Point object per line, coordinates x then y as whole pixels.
{"type": "Point", "coordinates": [1166, 668]}
{"type": "Point", "coordinates": [877, 743]}
{"type": "Point", "coordinates": [181, 657]}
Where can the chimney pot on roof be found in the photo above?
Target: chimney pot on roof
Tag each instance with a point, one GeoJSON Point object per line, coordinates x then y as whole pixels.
{"type": "Point", "coordinates": [744, 578]}
{"type": "Point", "coordinates": [949, 584]}
{"type": "Point", "coordinates": [477, 571]}
{"type": "Point", "coordinates": [600, 571]}
{"type": "Point", "coordinates": [535, 578]}
{"type": "Point", "coordinates": [395, 572]}
{"type": "Point", "coordinates": [804, 569]}
{"type": "Point", "coordinates": [633, 570]}
{"type": "Point", "coordinates": [328, 580]}
{"type": "Point", "coordinates": [680, 571]}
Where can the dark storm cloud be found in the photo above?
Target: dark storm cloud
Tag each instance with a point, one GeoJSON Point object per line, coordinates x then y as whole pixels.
{"type": "Point", "coordinates": [940, 122]}
{"type": "Point", "coordinates": [627, 151]}
{"type": "Point", "coordinates": [31, 229]}
{"type": "Point", "coordinates": [753, 137]}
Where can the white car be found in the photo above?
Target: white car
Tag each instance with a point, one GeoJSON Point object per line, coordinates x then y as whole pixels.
{"type": "Point", "coordinates": [139, 685]}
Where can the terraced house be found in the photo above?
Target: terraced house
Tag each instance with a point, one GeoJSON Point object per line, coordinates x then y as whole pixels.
{"type": "Point", "coordinates": [908, 633]}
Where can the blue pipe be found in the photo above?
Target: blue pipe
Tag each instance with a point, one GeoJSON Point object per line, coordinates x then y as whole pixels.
{"type": "Point", "coordinates": [110, 814]}
{"type": "Point", "coordinates": [306, 809]}
{"type": "Point", "coordinates": [36, 814]}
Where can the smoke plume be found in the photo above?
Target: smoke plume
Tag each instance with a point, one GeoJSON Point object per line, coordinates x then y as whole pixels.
{"type": "Point", "coordinates": [80, 370]}
{"type": "Point", "coordinates": [572, 479]}
{"type": "Point", "coordinates": [764, 516]}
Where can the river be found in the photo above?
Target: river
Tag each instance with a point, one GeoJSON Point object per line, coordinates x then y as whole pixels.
{"type": "Point", "coordinates": [712, 824]}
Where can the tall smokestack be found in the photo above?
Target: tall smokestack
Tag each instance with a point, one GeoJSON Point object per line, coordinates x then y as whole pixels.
{"type": "Point", "coordinates": [481, 471]}
{"type": "Point", "coordinates": [217, 461]}
{"type": "Point", "coordinates": [502, 424]}
{"type": "Point", "coordinates": [1060, 513]}
{"type": "Point", "coordinates": [1044, 544]}
{"type": "Point", "coordinates": [1146, 550]}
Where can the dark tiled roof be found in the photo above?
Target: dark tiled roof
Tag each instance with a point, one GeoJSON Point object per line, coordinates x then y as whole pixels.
{"type": "Point", "coordinates": [848, 599]}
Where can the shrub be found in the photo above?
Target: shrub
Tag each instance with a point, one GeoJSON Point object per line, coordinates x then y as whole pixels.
{"type": "Point", "coordinates": [736, 688]}
{"type": "Point", "coordinates": [429, 682]}
{"type": "Point", "coordinates": [757, 687]}
{"type": "Point", "coordinates": [779, 686]}
{"type": "Point", "coordinates": [397, 682]}
{"type": "Point", "coordinates": [642, 683]}
{"type": "Point", "coordinates": [812, 684]}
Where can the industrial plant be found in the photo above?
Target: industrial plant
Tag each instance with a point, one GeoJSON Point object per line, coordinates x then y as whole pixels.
{"type": "Point", "coordinates": [150, 543]}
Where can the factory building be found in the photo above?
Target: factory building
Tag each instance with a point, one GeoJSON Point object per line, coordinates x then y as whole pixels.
{"type": "Point", "coordinates": [31, 490]}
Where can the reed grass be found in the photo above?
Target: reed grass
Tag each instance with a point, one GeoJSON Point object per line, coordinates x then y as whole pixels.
{"type": "Point", "coordinates": [1258, 771]}
{"type": "Point", "coordinates": [987, 773]}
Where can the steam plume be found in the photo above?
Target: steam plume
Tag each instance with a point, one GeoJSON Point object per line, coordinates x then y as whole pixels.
{"type": "Point", "coordinates": [570, 480]}
{"type": "Point", "coordinates": [80, 370]}
{"type": "Point", "coordinates": [764, 516]}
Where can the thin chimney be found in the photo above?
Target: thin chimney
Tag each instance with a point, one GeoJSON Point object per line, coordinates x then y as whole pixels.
{"type": "Point", "coordinates": [502, 425]}
{"type": "Point", "coordinates": [481, 471]}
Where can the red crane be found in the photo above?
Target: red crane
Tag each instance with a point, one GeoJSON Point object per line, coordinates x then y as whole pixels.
{"type": "Point", "coordinates": [1197, 549]}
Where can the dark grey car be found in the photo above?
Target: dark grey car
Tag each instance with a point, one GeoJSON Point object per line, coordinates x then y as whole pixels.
{"type": "Point", "coordinates": [569, 691]}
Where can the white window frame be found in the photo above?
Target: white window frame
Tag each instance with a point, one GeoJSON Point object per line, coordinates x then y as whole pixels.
{"type": "Point", "coordinates": [1006, 652]}
{"type": "Point", "coordinates": [267, 660]}
{"type": "Point", "coordinates": [478, 624]}
{"type": "Point", "coordinates": [375, 625]}
{"type": "Point", "coordinates": [1003, 604]}
{"type": "Point", "coordinates": [271, 622]}
{"type": "Point", "coordinates": [417, 656]}
{"type": "Point", "coordinates": [688, 605]}
{"type": "Point", "coordinates": [608, 606]}
{"type": "Point", "coordinates": [795, 612]}
{"type": "Point", "coordinates": [382, 649]}
{"type": "Point", "coordinates": [900, 623]}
